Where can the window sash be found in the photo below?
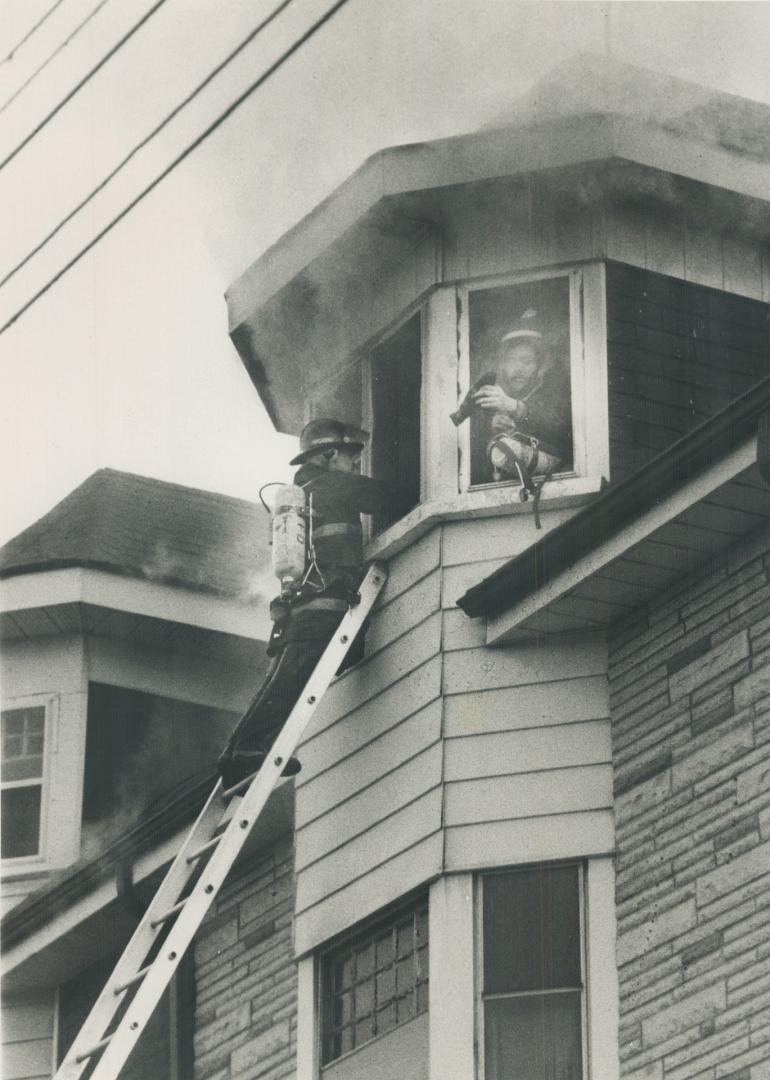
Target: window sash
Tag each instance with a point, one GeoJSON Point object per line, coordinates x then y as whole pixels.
{"type": "Point", "coordinates": [577, 371]}
{"type": "Point", "coordinates": [348, 951]}
{"type": "Point", "coordinates": [40, 780]}
{"type": "Point", "coordinates": [483, 998]}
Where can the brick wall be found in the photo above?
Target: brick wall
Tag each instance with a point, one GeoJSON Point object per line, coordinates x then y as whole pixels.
{"type": "Point", "coordinates": [690, 696]}
{"type": "Point", "coordinates": [690, 700]}
{"type": "Point", "coordinates": [677, 353]}
{"type": "Point", "coordinates": [245, 976]}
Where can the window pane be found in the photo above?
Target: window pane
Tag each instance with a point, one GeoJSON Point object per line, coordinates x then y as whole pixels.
{"type": "Point", "coordinates": [531, 929]}
{"type": "Point", "coordinates": [21, 821]}
{"type": "Point", "coordinates": [533, 1038]}
{"type": "Point", "coordinates": [519, 344]}
{"type": "Point", "coordinates": [375, 982]}
{"type": "Point", "coordinates": [22, 740]}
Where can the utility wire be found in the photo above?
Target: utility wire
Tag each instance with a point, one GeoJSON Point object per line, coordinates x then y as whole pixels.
{"type": "Point", "coordinates": [53, 56]}
{"type": "Point", "coordinates": [140, 145]}
{"type": "Point", "coordinates": [314, 27]}
{"type": "Point", "coordinates": [78, 86]}
{"type": "Point", "coordinates": [29, 33]}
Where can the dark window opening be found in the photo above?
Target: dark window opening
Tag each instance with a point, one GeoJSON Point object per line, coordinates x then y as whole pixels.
{"type": "Point", "coordinates": [139, 746]}
{"type": "Point", "coordinates": [532, 974]}
{"type": "Point", "coordinates": [396, 381]}
{"type": "Point", "coordinates": [375, 981]}
{"type": "Point", "coordinates": [23, 738]}
{"type": "Point", "coordinates": [520, 364]}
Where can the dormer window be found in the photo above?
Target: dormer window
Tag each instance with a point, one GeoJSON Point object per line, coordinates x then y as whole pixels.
{"type": "Point", "coordinates": [534, 347]}
{"type": "Point", "coordinates": [24, 738]}
{"type": "Point", "coordinates": [394, 408]}
{"type": "Point", "coordinates": [519, 347]}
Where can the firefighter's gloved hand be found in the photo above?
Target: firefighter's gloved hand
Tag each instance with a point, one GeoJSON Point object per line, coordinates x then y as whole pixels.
{"type": "Point", "coordinates": [280, 609]}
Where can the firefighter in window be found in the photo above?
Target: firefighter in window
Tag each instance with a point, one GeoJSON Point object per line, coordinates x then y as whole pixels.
{"type": "Point", "coordinates": [319, 581]}
{"type": "Point", "coordinates": [527, 401]}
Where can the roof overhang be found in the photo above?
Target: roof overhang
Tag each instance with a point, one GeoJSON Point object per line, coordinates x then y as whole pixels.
{"type": "Point", "coordinates": [291, 304]}
{"type": "Point", "coordinates": [687, 507]}
{"type": "Point", "coordinates": [72, 599]}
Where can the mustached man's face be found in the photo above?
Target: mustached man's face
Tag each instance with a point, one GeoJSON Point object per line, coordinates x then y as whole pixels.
{"type": "Point", "coordinates": [519, 367]}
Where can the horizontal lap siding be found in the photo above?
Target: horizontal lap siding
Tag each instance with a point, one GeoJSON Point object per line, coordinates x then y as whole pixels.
{"type": "Point", "coordinates": [28, 1023]}
{"type": "Point", "coordinates": [369, 797]}
{"type": "Point", "coordinates": [527, 756]}
{"type": "Point", "coordinates": [678, 353]}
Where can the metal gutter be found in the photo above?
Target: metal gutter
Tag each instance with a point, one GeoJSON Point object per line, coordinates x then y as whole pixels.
{"type": "Point", "coordinates": [617, 506]}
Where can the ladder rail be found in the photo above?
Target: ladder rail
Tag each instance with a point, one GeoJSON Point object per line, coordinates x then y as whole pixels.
{"type": "Point", "coordinates": [211, 877]}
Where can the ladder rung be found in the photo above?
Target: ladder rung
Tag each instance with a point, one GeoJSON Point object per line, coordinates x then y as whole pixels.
{"type": "Point", "coordinates": [240, 786]}
{"type": "Point", "coordinates": [169, 914]}
{"type": "Point", "coordinates": [203, 849]}
{"type": "Point", "coordinates": [94, 1050]}
{"type": "Point", "coordinates": [134, 979]}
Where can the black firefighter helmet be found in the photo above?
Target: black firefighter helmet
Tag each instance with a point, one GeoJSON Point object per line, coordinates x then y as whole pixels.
{"type": "Point", "coordinates": [325, 434]}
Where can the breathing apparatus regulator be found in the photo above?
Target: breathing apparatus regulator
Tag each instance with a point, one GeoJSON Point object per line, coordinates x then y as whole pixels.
{"type": "Point", "coordinates": [291, 538]}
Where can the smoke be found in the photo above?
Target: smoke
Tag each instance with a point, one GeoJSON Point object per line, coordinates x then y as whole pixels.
{"type": "Point", "coordinates": [591, 84]}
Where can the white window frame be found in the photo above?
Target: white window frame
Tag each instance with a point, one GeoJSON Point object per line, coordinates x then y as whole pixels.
{"type": "Point", "coordinates": [479, 952]}
{"type": "Point", "coordinates": [588, 371]}
{"type": "Point", "coordinates": [24, 864]}
{"type": "Point", "coordinates": [599, 972]}
{"type": "Point", "coordinates": [446, 492]}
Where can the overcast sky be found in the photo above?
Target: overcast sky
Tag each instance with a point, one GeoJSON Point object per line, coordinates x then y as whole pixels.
{"type": "Point", "coordinates": [125, 361]}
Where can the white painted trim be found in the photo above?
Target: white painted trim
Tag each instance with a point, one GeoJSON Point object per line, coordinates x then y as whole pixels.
{"type": "Point", "coordinates": [156, 600]}
{"type": "Point", "coordinates": [27, 865]}
{"type": "Point", "coordinates": [451, 951]}
{"type": "Point", "coordinates": [602, 972]}
{"type": "Point", "coordinates": [308, 1021]}
{"type": "Point", "coordinates": [89, 905]}
{"type": "Point", "coordinates": [440, 447]}
{"type": "Point", "coordinates": [495, 500]}
{"type": "Point", "coordinates": [665, 511]}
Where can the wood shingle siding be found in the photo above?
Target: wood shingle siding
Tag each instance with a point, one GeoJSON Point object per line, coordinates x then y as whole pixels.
{"type": "Point", "coordinates": [678, 353]}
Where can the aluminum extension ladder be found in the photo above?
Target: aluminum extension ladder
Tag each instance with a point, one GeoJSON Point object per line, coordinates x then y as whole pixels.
{"type": "Point", "coordinates": [152, 955]}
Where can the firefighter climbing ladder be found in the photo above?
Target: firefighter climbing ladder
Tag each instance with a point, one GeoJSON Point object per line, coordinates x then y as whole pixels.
{"type": "Point", "coordinates": [195, 877]}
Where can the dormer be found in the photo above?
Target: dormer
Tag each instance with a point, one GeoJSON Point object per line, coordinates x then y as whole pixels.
{"type": "Point", "coordinates": [133, 617]}
{"type": "Point", "coordinates": [629, 215]}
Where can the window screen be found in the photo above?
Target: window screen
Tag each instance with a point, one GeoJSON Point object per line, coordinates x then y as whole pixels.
{"type": "Point", "coordinates": [396, 379]}
{"type": "Point", "coordinates": [532, 974]}
{"type": "Point", "coordinates": [375, 981]}
{"type": "Point", "coordinates": [23, 739]}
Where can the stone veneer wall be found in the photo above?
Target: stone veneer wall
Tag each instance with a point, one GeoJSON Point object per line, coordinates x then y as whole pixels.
{"type": "Point", "coordinates": [245, 975]}
{"type": "Point", "coordinates": [690, 695]}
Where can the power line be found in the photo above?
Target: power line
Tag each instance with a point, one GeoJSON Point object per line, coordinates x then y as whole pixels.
{"type": "Point", "coordinates": [78, 86]}
{"type": "Point", "coordinates": [180, 158]}
{"type": "Point", "coordinates": [29, 33]}
{"type": "Point", "coordinates": [53, 56]}
{"type": "Point", "coordinates": [148, 138]}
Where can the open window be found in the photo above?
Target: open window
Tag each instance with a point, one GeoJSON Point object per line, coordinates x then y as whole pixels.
{"type": "Point", "coordinates": [395, 383]}
{"type": "Point", "coordinates": [26, 736]}
{"type": "Point", "coordinates": [139, 746]}
{"type": "Point", "coordinates": [519, 356]}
